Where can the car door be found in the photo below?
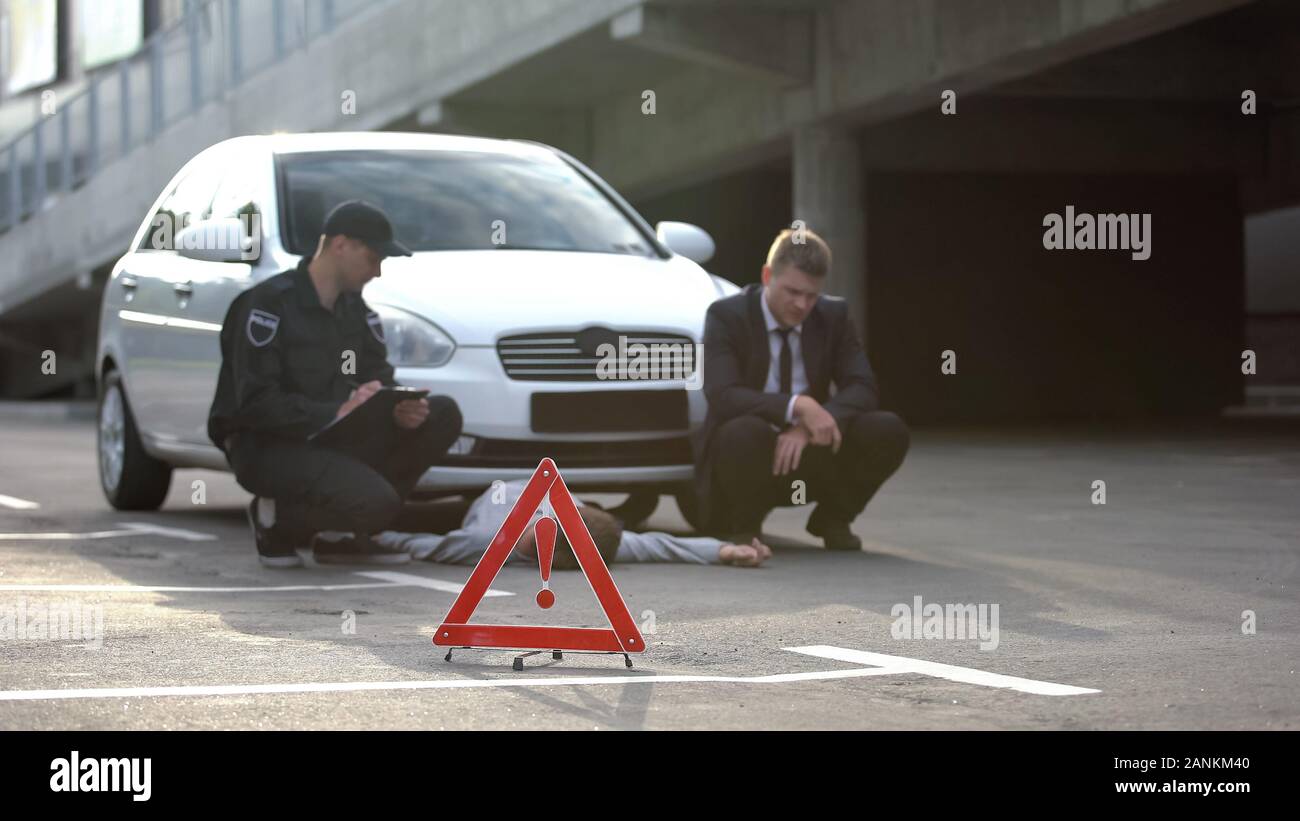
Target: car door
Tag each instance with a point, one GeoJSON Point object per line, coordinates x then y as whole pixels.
{"type": "Point", "coordinates": [151, 327]}
{"type": "Point", "coordinates": [205, 294]}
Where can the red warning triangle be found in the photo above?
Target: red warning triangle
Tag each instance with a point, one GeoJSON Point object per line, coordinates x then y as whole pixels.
{"type": "Point", "coordinates": [622, 636]}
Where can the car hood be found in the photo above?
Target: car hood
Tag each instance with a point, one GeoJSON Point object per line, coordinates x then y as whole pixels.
{"type": "Point", "coordinates": [480, 296]}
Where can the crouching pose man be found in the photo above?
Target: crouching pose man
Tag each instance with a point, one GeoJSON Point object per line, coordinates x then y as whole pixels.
{"type": "Point", "coordinates": [771, 356]}
{"type": "Point", "coordinates": [284, 345]}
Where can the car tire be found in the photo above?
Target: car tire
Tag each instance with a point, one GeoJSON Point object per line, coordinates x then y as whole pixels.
{"type": "Point", "coordinates": [130, 478]}
{"type": "Point", "coordinates": [637, 508]}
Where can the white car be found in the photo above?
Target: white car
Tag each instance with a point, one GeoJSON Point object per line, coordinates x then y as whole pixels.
{"type": "Point", "coordinates": [525, 264]}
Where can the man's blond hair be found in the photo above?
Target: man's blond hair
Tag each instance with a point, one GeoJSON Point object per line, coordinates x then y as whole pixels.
{"type": "Point", "coordinates": [803, 249]}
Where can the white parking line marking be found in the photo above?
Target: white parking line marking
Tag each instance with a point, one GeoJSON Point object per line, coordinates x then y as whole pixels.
{"type": "Point", "coordinates": [890, 665]}
{"type": "Point", "coordinates": [16, 503]}
{"type": "Point", "coordinates": [384, 579]}
{"type": "Point", "coordinates": [424, 581]}
{"type": "Point", "coordinates": [174, 532]}
{"type": "Point", "coordinates": [439, 684]}
{"type": "Point", "coordinates": [146, 588]}
{"type": "Point", "coordinates": [966, 675]}
{"type": "Point", "coordinates": [131, 529]}
{"type": "Point", "coordinates": [60, 536]}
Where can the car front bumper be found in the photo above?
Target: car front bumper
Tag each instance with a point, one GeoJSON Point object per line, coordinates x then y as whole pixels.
{"type": "Point", "coordinates": [498, 442]}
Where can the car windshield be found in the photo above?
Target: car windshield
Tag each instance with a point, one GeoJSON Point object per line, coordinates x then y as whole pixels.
{"type": "Point", "coordinates": [457, 200]}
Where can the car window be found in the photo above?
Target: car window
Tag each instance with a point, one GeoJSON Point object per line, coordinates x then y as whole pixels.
{"type": "Point", "coordinates": [457, 200]}
{"type": "Point", "coordinates": [237, 191]}
{"type": "Point", "coordinates": [235, 196]}
{"type": "Point", "coordinates": [188, 202]}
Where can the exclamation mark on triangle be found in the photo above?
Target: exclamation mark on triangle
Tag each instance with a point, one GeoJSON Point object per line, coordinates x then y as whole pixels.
{"type": "Point", "coordinates": [544, 530]}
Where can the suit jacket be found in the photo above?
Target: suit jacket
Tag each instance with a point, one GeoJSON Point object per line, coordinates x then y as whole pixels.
{"type": "Point", "coordinates": [737, 356]}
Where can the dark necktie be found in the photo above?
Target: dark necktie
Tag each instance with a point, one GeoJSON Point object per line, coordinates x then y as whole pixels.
{"type": "Point", "coordinates": [787, 361]}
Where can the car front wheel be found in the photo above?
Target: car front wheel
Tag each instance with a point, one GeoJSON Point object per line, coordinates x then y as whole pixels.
{"type": "Point", "coordinates": [130, 478]}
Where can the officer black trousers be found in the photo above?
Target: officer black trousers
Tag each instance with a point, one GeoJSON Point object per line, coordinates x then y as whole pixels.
{"type": "Point", "coordinates": [873, 446]}
{"type": "Point", "coordinates": [358, 489]}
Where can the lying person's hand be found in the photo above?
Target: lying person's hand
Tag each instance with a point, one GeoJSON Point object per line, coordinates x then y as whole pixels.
{"type": "Point", "coordinates": [358, 396]}
{"type": "Point", "coordinates": [744, 555]}
{"type": "Point", "coordinates": [411, 413]}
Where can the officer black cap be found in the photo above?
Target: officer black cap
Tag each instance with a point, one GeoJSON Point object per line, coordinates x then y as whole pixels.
{"type": "Point", "coordinates": [361, 220]}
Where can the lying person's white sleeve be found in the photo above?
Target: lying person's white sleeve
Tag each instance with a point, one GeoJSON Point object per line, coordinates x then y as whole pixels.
{"type": "Point", "coordinates": [664, 547]}
{"type": "Point", "coordinates": [460, 546]}
{"type": "Point", "coordinates": [465, 546]}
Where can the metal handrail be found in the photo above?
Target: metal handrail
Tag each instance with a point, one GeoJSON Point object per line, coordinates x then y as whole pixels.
{"type": "Point", "coordinates": [24, 194]}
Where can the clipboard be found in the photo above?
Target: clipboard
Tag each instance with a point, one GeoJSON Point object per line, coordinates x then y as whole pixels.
{"type": "Point", "coordinates": [362, 420]}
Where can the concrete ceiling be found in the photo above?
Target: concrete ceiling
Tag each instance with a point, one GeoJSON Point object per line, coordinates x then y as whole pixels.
{"type": "Point", "coordinates": [1256, 47]}
{"type": "Point", "coordinates": [597, 64]}
{"type": "Point", "coordinates": [588, 67]}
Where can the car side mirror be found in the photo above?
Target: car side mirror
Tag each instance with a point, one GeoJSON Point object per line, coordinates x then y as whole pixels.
{"type": "Point", "coordinates": [227, 239]}
{"type": "Point", "coordinates": [690, 241]}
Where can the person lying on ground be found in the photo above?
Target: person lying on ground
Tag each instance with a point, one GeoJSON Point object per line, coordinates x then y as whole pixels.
{"type": "Point", "coordinates": [488, 512]}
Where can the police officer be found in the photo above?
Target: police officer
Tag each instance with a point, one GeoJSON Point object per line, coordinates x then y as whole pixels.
{"type": "Point", "coordinates": [285, 346]}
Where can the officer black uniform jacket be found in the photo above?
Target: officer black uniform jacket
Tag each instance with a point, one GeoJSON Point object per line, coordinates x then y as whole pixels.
{"type": "Point", "coordinates": [283, 358]}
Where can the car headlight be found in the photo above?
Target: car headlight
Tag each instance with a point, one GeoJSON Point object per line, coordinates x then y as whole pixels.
{"type": "Point", "coordinates": [413, 342]}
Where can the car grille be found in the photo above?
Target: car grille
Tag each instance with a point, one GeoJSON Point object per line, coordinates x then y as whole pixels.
{"type": "Point", "coordinates": [574, 356]}
{"type": "Point", "coordinates": [527, 453]}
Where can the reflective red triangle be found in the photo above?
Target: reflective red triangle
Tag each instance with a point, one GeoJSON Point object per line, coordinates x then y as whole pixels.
{"type": "Point", "coordinates": [622, 636]}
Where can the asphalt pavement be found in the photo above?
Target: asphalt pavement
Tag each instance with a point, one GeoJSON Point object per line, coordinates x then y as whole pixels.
{"type": "Point", "coordinates": [1172, 605]}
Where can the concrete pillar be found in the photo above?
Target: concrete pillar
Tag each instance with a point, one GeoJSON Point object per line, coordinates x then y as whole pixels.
{"type": "Point", "coordinates": [828, 197]}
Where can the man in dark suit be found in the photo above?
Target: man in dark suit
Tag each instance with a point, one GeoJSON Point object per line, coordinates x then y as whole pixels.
{"type": "Point", "coordinates": [771, 355]}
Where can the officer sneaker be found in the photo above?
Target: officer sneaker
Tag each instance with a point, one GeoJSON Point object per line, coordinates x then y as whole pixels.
{"type": "Point", "coordinates": [355, 548]}
{"type": "Point", "coordinates": [272, 551]}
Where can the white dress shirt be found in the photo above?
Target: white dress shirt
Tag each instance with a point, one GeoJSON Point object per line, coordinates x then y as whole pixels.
{"type": "Point", "coordinates": [798, 379]}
